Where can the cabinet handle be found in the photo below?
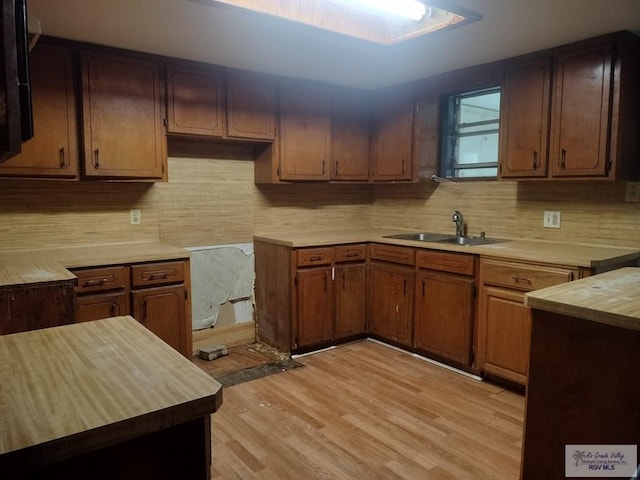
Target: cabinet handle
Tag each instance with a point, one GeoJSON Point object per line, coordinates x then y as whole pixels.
{"type": "Point", "coordinates": [323, 162]}
{"type": "Point", "coordinates": [344, 280]}
{"type": "Point", "coordinates": [96, 158]}
{"type": "Point", "coordinates": [336, 167]}
{"type": "Point", "coordinates": [521, 279]}
{"type": "Point", "coordinates": [94, 283]}
{"type": "Point", "coordinates": [563, 159]}
{"type": "Point", "coordinates": [114, 309]}
{"type": "Point", "coordinates": [157, 275]}
{"type": "Point", "coordinates": [535, 160]}
{"type": "Point", "coordinates": [63, 160]}
{"type": "Point", "coordinates": [144, 311]}
{"type": "Point", "coordinates": [423, 288]}
{"type": "Point", "coordinates": [403, 165]}
{"type": "Point", "coordinates": [405, 286]}
{"type": "Point", "coordinates": [351, 254]}
{"type": "Point", "coordinates": [315, 258]}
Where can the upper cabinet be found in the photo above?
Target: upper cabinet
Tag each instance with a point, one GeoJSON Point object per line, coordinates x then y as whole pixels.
{"type": "Point", "coordinates": [123, 115]}
{"type": "Point", "coordinates": [194, 100]}
{"type": "Point", "coordinates": [53, 151]}
{"type": "Point", "coordinates": [305, 131]}
{"type": "Point", "coordinates": [392, 135]}
{"type": "Point", "coordinates": [573, 113]}
{"type": "Point", "coordinates": [349, 135]}
{"type": "Point", "coordinates": [251, 106]}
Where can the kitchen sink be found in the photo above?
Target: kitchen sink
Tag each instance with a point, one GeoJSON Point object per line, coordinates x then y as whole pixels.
{"type": "Point", "coordinates": [444, 238]}
{"type": "Point", "coordinates": [468, 240]}
{"type": "Point", "coordinates": [420, 237]}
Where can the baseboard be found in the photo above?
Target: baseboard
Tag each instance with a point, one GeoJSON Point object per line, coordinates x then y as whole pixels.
{"type": "Point", "coordinates": [229, 336]}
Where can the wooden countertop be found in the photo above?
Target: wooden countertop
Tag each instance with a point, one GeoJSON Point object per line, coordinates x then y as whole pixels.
{"type": "Point", "coordinates": [611, 298]}
{"type": "Point", "coordinates": [97, 255]}
{"type": "Point", "coordinates": [539, 251]}
{"type": "Point", "coordinates": [75, 388]}
{"type": "Point", "coordinates": [16, 272]}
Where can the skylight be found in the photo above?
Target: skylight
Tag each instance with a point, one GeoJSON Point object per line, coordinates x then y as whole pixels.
{"type": "Point", "coordinates": [379, 21]}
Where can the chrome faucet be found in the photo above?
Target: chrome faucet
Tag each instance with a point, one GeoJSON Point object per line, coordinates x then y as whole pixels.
{"type": "Point", "coordinates": [458, 219]}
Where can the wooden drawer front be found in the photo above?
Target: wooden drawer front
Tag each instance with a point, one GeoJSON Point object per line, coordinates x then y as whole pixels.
{"type": "Point", "coordinates": [314, 256]}
{"type": "Point", "coordinates": [349, 253]}
{"type": "Point", "coordinates": [446, 261]}
{"type": "Point", "coordinates": [157, 273]}
{"type": "Point", "coordinates": [393, 253]}
{"type": "Point", "coordinates": [524, 276]}
{"type": "Point", "coordinates": [95, 307]}
{"type": "Point", "coordinates": [103, 278]}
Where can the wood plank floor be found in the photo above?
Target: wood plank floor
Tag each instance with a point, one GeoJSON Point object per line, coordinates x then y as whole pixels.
{"type": "Point", "coordinates": [365, 411]}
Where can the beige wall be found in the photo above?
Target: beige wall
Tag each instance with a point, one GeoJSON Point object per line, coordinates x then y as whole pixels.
{"type": "Point", "coordinates": [214, 201]}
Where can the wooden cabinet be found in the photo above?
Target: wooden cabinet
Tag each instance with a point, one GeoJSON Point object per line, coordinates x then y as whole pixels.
{"type": "Point", "coordinates": [305, 131]}
{"type": "Point", "coordinates": [391, 293]}
{"type": "Point", "coordinates": [123, 114]}
{"type": "Point", "coordinates": [156, 294]}
{"type": "Point", "coordinates": [251, 106]}
{"type": "Point", "coordinates": [102, 292]}
{"type": "Point", "coordinates": [38, 305]}
{"type": "Point", "coordinates": [504, 322]}
{"type": "Point", "coordinates": [195, 100]}
{"type": "Point", "coordinates": [572, 112]}
{"type": "Point", "coordinates": [53, 151]}
{"type": "Point", "coordinates": [524, 119]}
{"type": "Point", "coordinates": [349, 135]}
{"type": "Point", "coordinates": [445, 301]}
{"type": "Point", "coordinates": [330, 294]}
{"type": "Point", "coordinates": [392, 135]}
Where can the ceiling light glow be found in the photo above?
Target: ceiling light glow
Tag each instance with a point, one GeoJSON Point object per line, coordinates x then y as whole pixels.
{"type": "Point", "coordinates": [411, 9]}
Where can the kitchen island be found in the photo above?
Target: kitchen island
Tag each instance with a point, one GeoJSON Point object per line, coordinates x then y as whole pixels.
{"type": "Point", "coordinates": [584, 375]}
{"type": "Point", "coordinates": [102, 399]}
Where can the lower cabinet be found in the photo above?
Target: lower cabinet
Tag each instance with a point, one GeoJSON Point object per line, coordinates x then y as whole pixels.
{"type": "Point", "coordinates": [35, 306]}
{"type": "Point", "coordinates": [391, 293]}
{"type": "Point", "coordinates": [330, 294]}
{"type": "Point", "coordinates": [504, 322]}
{"type": "Point", "coordinates": [155, 294]}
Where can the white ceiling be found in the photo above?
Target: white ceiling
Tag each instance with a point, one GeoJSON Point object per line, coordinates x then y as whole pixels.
{"type": "Point", "coordinates": [235, 38]}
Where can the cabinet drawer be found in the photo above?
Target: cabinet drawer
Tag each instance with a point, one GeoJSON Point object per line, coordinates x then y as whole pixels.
{"type": "Point", "coordinates": [103, 278]}
{"type": "Point", "coordinates": [157, 273]}
{"type": "Point", "coordinates": [393, 253]}
{"type": "Point", "coordinates": [523, 276]}
{"type": "Point", "coordinates": [446, 261]}
{"type": "Point", "coordinates": [349, 253]}
{"type": "Point", "coordinates": [314, 256]}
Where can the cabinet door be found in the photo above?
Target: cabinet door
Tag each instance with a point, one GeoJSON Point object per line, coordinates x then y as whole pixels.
{"type": "Point", "coordinates": [581, 109]}
{"type": "Point", "coordinates": [314, 306]}
{"type": "Point", "coordinates": [524, 122]}
{"type": "Point", "coordinates": [162, 310]}
{"type": "Point", "coordinates": [392, 135]}
{"type": "Point", "coordinates": [444, 315]}
{"type": "Point", "coordinates": [350, 300]}
{"type": "Point", "coordinates": [349, 136]}
{"type": "Point", "coordinates": [53, 151]}
{"type": "Point", "coordinates": [105, 305]}
{"type": "Point", "coordinates": [251, 106]}
{"type": "Point", "coordinates": [122, 116]}
{"type": "Point", "coordinates": [504, 334]}
{"type": "Point", "coordinates": [391, 302]}
{"type": "Point", "coordinates": [194, 100]}
{"type": "Point", "coordinates": [32, 307]}
{"type": "Point", "coordinates": [305, 132]}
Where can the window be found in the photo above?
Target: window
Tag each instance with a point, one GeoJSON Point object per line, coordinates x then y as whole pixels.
{"type": "Point", "coordinates": [470, 143]}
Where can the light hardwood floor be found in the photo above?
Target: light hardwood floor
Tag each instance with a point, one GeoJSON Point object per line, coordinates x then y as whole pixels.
{"type": "Point", "coordinates": [365, 411]}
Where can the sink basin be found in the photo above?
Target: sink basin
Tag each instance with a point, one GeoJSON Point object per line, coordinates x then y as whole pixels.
{"type": "Point", "coordinates": [468, 240]}
{"type": "Point", "coordinates": [420, 237]}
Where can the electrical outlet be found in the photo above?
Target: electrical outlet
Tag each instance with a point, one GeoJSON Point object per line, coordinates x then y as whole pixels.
{"type": "Point", "coordinates": [633, 192]}
{"type": "Point", "coordinates": [551, 220]}
{"type": "Point", "coordinates": [135, 217]}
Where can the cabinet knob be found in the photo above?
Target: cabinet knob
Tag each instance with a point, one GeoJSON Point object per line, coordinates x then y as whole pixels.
{"type": "Point", "coordinates": [96, 158]}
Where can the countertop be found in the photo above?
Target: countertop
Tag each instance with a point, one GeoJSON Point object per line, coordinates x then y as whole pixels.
{"type": "Point", "coordinates": [539, 251]}
{"type": "Point", "coordinates": [611, 298]}
{"type": "Point", "coordinates": [26, 272]}
{"type": "Point", "coordinates": [97, 255]}
{"type": "Point", "coordinates": [90, 384]}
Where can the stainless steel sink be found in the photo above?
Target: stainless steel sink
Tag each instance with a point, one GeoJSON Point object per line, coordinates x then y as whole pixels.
{"type": "Point", "coordinates": [420, 237]}
{"type": "Point", "coordinates": [443, 238]}
{"type": "Point", "coordinates": [469, 240]}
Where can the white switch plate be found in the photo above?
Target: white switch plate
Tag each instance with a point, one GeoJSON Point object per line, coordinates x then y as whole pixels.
{"type": "Point", "coordinates": [551, 220]}
{"type": "Point", "coordinates": [135, 217]}
{"type": "Point", "coordinates": [633, 192]}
